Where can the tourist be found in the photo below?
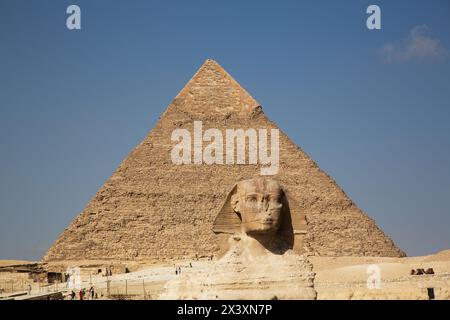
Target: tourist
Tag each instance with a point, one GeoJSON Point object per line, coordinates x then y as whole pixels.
{"type": "Point", "coordinates": [72, 295]}
{"type": "Point", "coordinates": [81, 293]}
{"type": "Point", "coordinates": [92, 293]}
{"type": "Point", "coordinates": [29, 289]}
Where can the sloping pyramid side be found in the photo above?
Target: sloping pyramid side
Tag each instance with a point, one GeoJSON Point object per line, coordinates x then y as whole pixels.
{"type": "Point", "coordinates": [151, 209]}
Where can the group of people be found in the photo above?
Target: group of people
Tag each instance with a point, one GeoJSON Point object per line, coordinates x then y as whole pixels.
{"type": "Point", "coordinates": [178, 269]}
{"type": "Point", "coordinates": [420, 271]}
{"type": "Point", "coordinates": [82, 294]}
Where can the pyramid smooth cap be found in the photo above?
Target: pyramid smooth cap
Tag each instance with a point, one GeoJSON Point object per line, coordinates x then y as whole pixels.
{"type": "Point", "coordinates": [213, 91]}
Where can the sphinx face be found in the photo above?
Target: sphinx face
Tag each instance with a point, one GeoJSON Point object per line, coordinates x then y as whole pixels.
{"type": "Point", "coordinates": [259, 203]}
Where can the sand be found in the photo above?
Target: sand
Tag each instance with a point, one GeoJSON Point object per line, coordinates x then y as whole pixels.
{"type": "Point", "coordinates": [346, 277]}
{"type": "Point", "coordinates": [335, 277]}
{"type": "Point", "coordinates": [8, 263]}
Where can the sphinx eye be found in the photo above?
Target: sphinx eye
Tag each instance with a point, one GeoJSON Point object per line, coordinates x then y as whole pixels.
{"type": "Point", "coordinates": [251, 198]}
{"type": "Point", "coordinates": [274, 198]}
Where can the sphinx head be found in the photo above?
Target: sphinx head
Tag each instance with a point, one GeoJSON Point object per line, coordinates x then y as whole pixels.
{"type": "Point", "coordinates": [258, 202]}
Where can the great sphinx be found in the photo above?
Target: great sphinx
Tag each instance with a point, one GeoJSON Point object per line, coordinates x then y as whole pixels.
{"type": "Point", "coordinates": [260, 208]}
{"type": "Point", "coordinates": [256, 223]}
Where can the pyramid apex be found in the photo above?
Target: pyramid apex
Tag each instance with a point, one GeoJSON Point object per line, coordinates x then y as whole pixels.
{"type": "Point", "coordinates": [213, 91]}
{"type": "Point", "coordinates": [210, 61]}
{"type": "Point", "coordinates": [213, 64]}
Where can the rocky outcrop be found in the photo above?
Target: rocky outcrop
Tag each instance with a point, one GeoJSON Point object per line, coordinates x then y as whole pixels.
{"type": "Point", "coordinates": [246, 272]}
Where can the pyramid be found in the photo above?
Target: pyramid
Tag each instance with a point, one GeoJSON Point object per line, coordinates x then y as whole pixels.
{"type": "Point", "coordinates": [151, 209]}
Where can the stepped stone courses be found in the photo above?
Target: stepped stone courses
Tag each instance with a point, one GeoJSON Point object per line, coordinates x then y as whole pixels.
{"type": "Point", "coordinates": [151, 209]}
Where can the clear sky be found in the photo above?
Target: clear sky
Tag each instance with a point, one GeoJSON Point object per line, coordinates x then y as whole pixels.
{"type": "Point", "coordinates": [372, 108]}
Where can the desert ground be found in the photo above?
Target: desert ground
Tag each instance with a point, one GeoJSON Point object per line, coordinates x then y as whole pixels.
{"type": "Point", "coordinates": [335, 278]}
{"type": "Point", "coordinates": [346, 277]}
{"type": "Point", "coordinates": [5, 263]}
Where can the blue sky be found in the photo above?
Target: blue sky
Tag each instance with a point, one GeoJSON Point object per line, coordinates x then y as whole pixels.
{"type": "Point", "coordinates": [372, 108]}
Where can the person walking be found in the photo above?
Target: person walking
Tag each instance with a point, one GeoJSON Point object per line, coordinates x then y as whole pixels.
{"type": "Point", "coordinates": [92, 293]}
{"type": "Point", "coordinates": [29, 289]}
{"type": "Point", "coordinates": [81, 294]}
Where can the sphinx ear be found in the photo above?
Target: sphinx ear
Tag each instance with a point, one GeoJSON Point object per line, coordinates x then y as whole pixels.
{"type": "Point", "coordinates": [227, 221]}
{"type": "Point", "coordinates": [235, 202]}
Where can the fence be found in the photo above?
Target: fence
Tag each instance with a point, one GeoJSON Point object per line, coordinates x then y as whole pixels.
{"type": "Point", "coordinates": [127, 289]}
{"type": "Point", "coordinates": [147, 286]}
{"type": "Point", "coordinates": [13, 286]}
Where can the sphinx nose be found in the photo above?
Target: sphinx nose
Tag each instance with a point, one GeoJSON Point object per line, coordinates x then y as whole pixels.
{"type": "Point", "coordinates": [264, 204]}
